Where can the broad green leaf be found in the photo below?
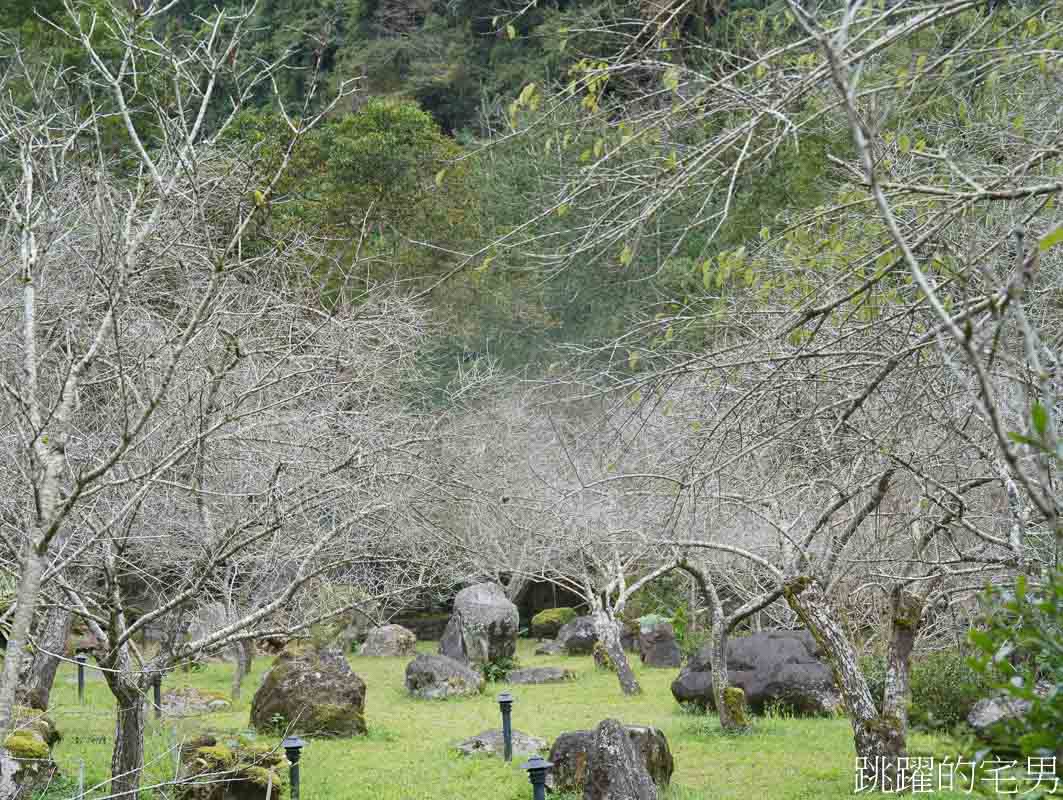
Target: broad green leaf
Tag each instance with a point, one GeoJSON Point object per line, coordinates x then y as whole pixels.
{"type": "Point", "coordinates": [1050, 240]}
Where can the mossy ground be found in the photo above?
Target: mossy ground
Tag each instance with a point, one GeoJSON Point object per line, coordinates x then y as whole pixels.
{"type": "Point", "coordinates": [408, 755]}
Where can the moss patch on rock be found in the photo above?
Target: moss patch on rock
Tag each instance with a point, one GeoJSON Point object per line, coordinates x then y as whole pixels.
{"type": "Point", "coordinates": [546, 624]}
{"type": "Point", "coordinates": [26, 744]}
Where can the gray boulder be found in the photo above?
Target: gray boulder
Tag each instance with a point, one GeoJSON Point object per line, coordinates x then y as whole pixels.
{"type": "Point", "coordinates": [389, 641]}
{"type": "Point", "coordinates": [490, 743]}
{"type": "Point", "coordinates": [990, 710]}
{"type": "Point", "coordinates": [614, 769]}
{"type": "Point", "coordinates": [483, 627]}
{"type": "Point", "coordinates": [438, 677]}
{"type": "Point", "coordinates": [540, 675]}
{"type": "Point", "coordinates": [773, 667]}
{"type": "Point", "coordinates": [549, 648]}
{"type": "Point", "coordinates": [577, 638]}
{"type": "Point", "coordinates": [311, 691]}
{"type": "Point", "coordinates": [658, 647]}
{"type": "Point", "coordinates": [189, 701]}
{"type": "Point", "coordinates": [572, 754]}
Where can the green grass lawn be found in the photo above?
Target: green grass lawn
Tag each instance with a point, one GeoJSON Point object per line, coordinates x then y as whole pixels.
{"type": "Point", "coordinates": [408, 754]}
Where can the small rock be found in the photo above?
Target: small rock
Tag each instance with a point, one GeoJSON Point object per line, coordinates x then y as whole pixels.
{"type": "Point", "coordinates": [549, 648]}
{"type": "Point", "coordinates": [188, 701]}
{"type": "Point", "coordinates": [389, 641]}
{"type": "Point", "coordinates": [26, 764]}
{"type": "Point", "coordinates": [540, 675]}
{"type": "Point", "coordinates": [490, 743]}
{"type": "Point", "coordinates": [578, 637]}
{"type": "Point", "coordinates": [438, 677]}
{"type": "Point", "coordinates": [658, 647]}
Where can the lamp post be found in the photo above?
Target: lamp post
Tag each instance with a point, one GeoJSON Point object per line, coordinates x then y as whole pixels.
{"type": "Point", "coordinates": [81, 658]}
{"type": "Point", "coordinates": [505, 702]}
{"type": "Point", "coordinates": [292, 746]}
{"type": "Point", "coordinates": [537, 768]}
{"type": "Point", "coordinates": [156, 685]}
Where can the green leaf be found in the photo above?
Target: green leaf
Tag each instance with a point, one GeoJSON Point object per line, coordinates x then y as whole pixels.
{"type": "Point", "coordinates": [1050, 240]}
{"type": "Point", "coordinates": [440, 176]}
{"type": "Point", "coordinates": [511, 32]}
{"type": "Point", "coordinates": [626, 255]}
{"type": "Point", "coordinates": [1040, 419]}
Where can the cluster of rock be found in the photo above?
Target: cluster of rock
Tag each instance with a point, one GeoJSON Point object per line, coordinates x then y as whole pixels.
{"type": "Point", "coordinates": [783, 668]}
{"type": "Point", "coordinates": [655, 643]}
{"type": "Point", "coordinates": [612, 762]}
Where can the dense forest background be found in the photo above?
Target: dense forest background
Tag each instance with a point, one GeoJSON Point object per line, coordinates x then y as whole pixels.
{"type": "Point", "coordinates": [418, 172]}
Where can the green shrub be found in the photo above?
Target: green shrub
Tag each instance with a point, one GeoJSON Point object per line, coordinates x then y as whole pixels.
{"type": "Point", "coordinates": [944, 688]}
{"type": "Point", "coordinates": [547, 623]}
{"type": "Point", "coordinates": [499, 669]}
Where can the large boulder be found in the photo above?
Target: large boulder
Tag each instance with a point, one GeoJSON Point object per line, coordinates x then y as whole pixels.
{"type": "Point", "coordinates": [389, 640]}
{"type": "Point", "coordinates": [490, 743]}
{"type": "Point", "coordinates": [614, 769]}
{"type": "Point", "coordinates": [572, 754]}
{"type": "Point", "coordinates": [483, 627]}
{"type": "Point", "coordinates": [578, 637]}
{"type": "Point", "coordinates": [773, 667]}
{"type": "Point", "coordinates": [540, 675]}
{"type": "Point", "coordinates": [230, 768]}
{"type": "Point", "coordinates": [658, 647]}
{"type": "Point", "coordinates": [438, 677]}
{"type": "Point", "coordinates": [547, 623]}
{"type": "Point", "coordinates": [312, 690]}
{"type": "Point", "coordinates": [26, 764]}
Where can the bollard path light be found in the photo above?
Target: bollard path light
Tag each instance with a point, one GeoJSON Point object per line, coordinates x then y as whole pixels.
{"type": "Point", "coordinates": [292, 746]}
{"type": "Point", "coordinates": [81, 658]}
{"type": "Point", "coordinates": [537, 768]}
{"type": "Point", "coordinates": [156, 682]}
{"type": "Point", "coordinates": [505, 702]}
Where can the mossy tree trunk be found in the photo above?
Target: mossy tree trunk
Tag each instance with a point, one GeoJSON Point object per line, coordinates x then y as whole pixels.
{"type": "Point", "coordinates": [35, 686]}
{"type": "Point", "coordinates": [26, 595]}
{"type": "Point", "coordinates": [608, 630]}
{"type": "Point", "coordinates": [718, 666]}
{"type": "Point", "coordinates": [880, 739]}
{"type": "Point", "coordinates": [128, 686]}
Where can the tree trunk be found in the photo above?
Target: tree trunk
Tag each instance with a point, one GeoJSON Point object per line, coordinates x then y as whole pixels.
{"type": "Point", "coordinates": [127, 758]}
{"type": "Point", "coordinates": [26, 595]}
{"type": "Point", "coordinates": [244, 652]}
{"type": "Point", "coordinates": [35, 687]}
{"type": "Point", "coordinates": [718, 666]}
{"type": "Point", "coordinates": [880, 738]}
{"type": "Point", "coordinates": [609, 636]}
{"type": "Point", "coordinates": [906, 614]}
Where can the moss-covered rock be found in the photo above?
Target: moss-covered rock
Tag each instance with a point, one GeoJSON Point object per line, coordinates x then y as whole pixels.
{"type": "Point", "coordinates": [546, 624]}
{"type": "Point", "coordinates": [734, 699]}
{"type": "Point", "coordinates": [231, 768]}
{"type": "Point", "coordinates": [311, 691]}
{"type": "Point", "coordinates": [26, 765]}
